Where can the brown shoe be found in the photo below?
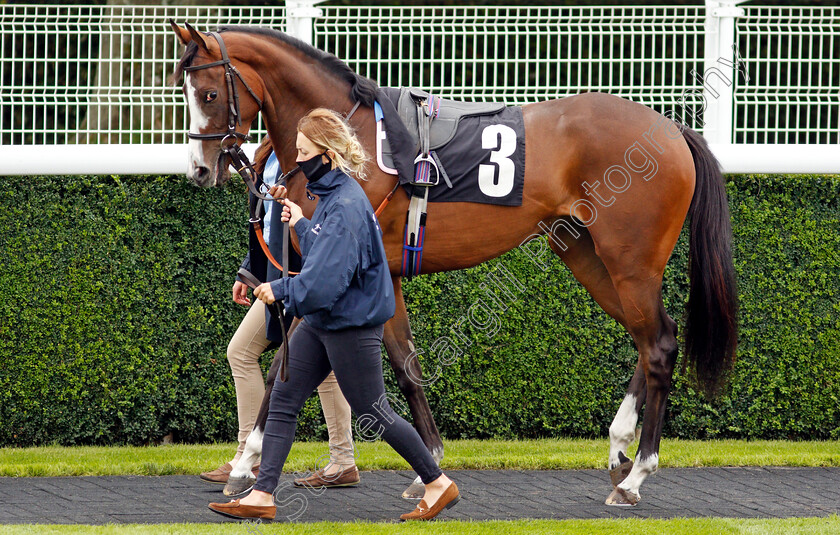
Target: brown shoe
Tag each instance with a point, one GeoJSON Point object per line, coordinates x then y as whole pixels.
{"type": "Point", "coordinates": [222, 473]}
{"type": "Point", "coordinates": [349, 477]}
{"type": "Point", "coordinates": [450, 497]}
{"type": "Point", "coordinates": [234, 509]}
{"type": "Point", "coordinates": [219, 475]}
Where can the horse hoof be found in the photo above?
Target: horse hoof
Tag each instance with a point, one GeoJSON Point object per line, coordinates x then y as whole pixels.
{"type": "Point", "coordinates": [620, 472]}
{"type": "Point", "coordinates": [239, 485]}
{"type": "Point", "coordinates": [414, 491]}
{"type": "Point", "coordinates": [622, 498]}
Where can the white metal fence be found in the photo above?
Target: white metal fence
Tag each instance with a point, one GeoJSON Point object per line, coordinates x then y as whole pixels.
{"type": "Point", "coordinates": [793, 59]}
{"type": "Point", "coordinates": [83, 88]}
{"type": "Point", "coordinates": [520, 55]}
{"type": "Point", "coordinates": [98, 74]}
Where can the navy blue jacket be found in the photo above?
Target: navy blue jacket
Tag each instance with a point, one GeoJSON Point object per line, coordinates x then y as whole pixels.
{"type": "Point", "coordinates": [345, 281]}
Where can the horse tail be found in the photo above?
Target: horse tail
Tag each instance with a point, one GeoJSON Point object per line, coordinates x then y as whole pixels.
{"type": "Point", "coordinates": [711, 330]}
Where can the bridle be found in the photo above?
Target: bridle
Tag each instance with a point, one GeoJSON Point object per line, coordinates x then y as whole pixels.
{"type": "Point", "coordinates": [227, 143]}
{"type": "Point", "coordinates": [234, 117]}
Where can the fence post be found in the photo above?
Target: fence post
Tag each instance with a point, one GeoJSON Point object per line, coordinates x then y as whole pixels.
{"type": "Point", "coordinates": [299, 17]}
{"type": "Point", "coordinates": [720, 70]}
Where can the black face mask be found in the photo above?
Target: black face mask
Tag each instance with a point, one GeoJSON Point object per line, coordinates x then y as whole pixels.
{"type": "Point", "coordinates": [314, 168]}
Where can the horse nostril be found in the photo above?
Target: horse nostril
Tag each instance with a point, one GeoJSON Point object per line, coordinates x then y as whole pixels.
{"type": "Point", "coordinates": [201, 172]}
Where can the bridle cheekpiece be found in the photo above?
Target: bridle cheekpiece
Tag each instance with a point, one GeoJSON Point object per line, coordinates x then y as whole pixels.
{"type": "Point", "coordinates": [234, 117]}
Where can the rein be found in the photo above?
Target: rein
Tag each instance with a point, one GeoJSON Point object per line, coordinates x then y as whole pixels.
{"type": "Point", "coordinates": [276, 310]}
{"type": "Point", "coordinates": [239, 160]}
{"type": "Point", "coordinates": [387, 199]}
{"type": "Point", "coordinates": [243, 165]}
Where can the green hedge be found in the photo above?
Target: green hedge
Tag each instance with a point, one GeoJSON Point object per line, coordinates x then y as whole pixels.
{"type": "Point", "coordinates": [115, 314]}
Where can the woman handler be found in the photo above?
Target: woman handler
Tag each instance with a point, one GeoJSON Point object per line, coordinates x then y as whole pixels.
{"type": "Point", "coordinates": [344, 295]}
{"type": "Point", "coordinates": [259, 331]}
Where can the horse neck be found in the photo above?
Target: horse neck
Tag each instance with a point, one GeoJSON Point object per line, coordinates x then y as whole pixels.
{"type": "Point", "coordinates": [294, 85]}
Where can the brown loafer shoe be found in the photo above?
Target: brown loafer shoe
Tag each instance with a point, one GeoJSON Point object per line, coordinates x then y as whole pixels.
{"type": "Point", "coordinates": [219, 475]}
{"type": "Point", "coordinates": [349, 477]}
{"type": "Point", "coordinates": [450, 497]}
{"type": "Point", "coordinates": [222, 473]}
{"type": "Point", "coordinates": [234, 509]}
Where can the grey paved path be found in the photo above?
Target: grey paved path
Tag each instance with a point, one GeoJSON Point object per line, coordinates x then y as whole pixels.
{"type": "Point", "coordinates": [486, 494]}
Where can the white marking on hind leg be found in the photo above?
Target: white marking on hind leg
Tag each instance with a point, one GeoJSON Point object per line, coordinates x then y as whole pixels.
{"type": "Point", "coordinates": [641, 470]}
{"type": "Point", "coordinates": [623, 429]}
{"type": "Point", "coordinates": [253, 447]}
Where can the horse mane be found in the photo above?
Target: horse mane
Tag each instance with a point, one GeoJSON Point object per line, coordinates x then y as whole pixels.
{"type": "Point", "coordinates": [362, 89]}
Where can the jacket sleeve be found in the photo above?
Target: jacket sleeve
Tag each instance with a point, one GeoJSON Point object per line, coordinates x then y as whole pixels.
{"type": "Point", "coordinates": [332, 260]}
{"type": "Point", "coordinates": [303, 229]}
{"type": "Point", "coordinates": [246, 265]}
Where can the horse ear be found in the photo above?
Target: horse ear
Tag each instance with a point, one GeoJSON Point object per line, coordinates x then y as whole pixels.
{"type": "Point", "coordinates": [197, 37]}
{"type": "Point", "coordinates": [183, 35]}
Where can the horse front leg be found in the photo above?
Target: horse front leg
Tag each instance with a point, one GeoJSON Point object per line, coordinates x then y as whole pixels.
{"type": "Point", "coordinates": [242, 478]}
{"type": "Point", "coordinates": [400, 347]}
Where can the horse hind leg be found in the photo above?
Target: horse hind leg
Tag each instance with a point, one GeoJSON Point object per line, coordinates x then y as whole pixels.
{"type": "Point", "coordinates": [655, 335]}
{"type": "Point", "coordinates": [578, 252]}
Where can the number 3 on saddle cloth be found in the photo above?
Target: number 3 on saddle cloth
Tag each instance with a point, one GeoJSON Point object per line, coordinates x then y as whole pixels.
{"type": "Point", "coordinates": [447, 151]}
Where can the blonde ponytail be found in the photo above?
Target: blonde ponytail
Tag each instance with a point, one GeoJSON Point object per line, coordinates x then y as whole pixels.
{"type": "Point", "coordinates": [326, 129]}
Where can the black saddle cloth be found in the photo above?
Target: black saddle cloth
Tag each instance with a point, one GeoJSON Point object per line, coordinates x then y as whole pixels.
{"type": "Point", "coordinates": [480, 147]}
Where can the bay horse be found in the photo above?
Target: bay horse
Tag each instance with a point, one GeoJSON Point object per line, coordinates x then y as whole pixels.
{"type": "Point", "coordinates": [621, 242]}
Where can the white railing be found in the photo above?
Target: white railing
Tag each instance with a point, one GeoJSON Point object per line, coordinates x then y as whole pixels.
{"type": "Point", "coordinates": [793, 59]}
{"type": "Point", "coordinates": [83, 88]}
{"type": "Point", "coordinates": [520, 55]}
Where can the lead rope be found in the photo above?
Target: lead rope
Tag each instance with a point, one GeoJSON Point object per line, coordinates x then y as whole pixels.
{"type": "Point", "coordinates": [276, 310]}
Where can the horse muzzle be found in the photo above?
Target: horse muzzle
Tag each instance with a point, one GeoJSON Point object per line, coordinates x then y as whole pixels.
{"type": "Point", "coordinates": [206, 177]}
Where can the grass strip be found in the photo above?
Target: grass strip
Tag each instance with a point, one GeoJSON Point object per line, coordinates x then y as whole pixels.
{"type": "Point", "coordinates": [679, 526]}
{"type": "Point", "coordinates": [545, 454]}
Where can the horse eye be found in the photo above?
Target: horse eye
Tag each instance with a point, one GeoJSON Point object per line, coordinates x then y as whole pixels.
{"type": "Point", "coordinates": [210, 96]}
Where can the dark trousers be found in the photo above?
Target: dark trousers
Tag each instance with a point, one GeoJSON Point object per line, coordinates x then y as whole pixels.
{"type": "Point", "coordinates": [355, 355]}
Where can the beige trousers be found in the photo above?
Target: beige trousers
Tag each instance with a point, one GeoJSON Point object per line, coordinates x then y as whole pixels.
{"type": "Point", "coordinates": [243, 353]}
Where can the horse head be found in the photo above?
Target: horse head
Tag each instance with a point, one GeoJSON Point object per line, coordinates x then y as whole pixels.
{"type": "Point", "coordinates": [224, 97]}
{"type": "Point", "coordinates": [240, 71]}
